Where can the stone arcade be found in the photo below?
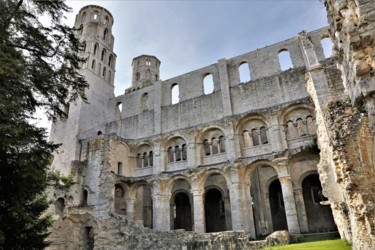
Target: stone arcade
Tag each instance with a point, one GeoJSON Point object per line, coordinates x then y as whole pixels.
{"type": "Point", "coordinates": [151, 173]}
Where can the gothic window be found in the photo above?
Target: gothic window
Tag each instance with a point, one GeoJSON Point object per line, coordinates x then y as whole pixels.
{"type": "Point", "coordinates": [119, 168]}
{"type": "Point", "coordinates": [110, 60]}
{"type": "Point", "coordinates": [96, 48]}
{"type": "Point", "coordinates": [104, 72]}
{"type": "Point", "coordinates": [104, 52]}
{"type": "Point", "coordinates": [285, 60]}
{"type": "Point", "coordinates": [105, 34]}
{"type": "Point", "coordinates": [254, 134]}
{"type": "Point", "coordinates": [244, 71]}
{"type": "Point", "coordinates": [175, 94]}
{"type": "Point", "coordinates": [208, 84]}
{"type": "Point", "coordinates": [145, 157]}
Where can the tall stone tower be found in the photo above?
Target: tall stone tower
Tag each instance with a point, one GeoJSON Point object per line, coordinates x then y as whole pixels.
{"type": "Point", "coordinates": [145, 71]}
{"type": "Point", "coordinates": [94, 27]}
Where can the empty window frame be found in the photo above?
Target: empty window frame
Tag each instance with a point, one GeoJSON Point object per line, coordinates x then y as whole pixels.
{"type": "Point", "coordinates": [175, 94]}
{"type": "Point", "coordinates": [208, 84]}
{"type": "Point", "coordinates": [327, 46]}
{"type": "Point", "coordinates": [105, 34]}
{"type": "Point", "coordinates": [285, 60]}
{"type": "Point", "coordinates": [244, 72]}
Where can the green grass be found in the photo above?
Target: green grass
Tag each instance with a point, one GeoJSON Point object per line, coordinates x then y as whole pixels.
{"type": "Point", "coordinates": [317, 245]}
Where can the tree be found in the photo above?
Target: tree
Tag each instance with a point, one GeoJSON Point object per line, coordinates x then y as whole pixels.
{"type": "Point", "coordinates": [39, 68]}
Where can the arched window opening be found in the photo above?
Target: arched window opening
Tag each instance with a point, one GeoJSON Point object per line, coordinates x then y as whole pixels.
{"type": "Point", "coordinates": [96, 48]}
{"type": "Point", "coordinates": [248, 142]}
{"type": "Point", "coordinates": [145, 160]}
{"type": "Point", "coordinates": [119, 106]}
{"type": "Point", "coordinates": [106, 19]}
{"type": "Point", "coordinates": [144, 102]}
{"type": "Point", "coordinates": [104, 71]}
{"type": "Point", "coordinates": [301, 127]}
{"type": "Point", "coordinates": [85, 196]}
{"type": "Point", "coordinates": [95, 15]}
{"type": "Point", "coordinates": [285, 60]}
{"type": "Point", "coordinates": [182, 212]}
{"type": "Point", "coordinates": [83, 17]}
{"type": "Point", "coordinates": [88, 238]}
{"type": "Point", "coordinates": [175, 94]}
{"type": "Point", "coordinates": [59, 205]}
{"type": "Point", "coordinates": [214, 211]}
{"type": "Point", "coordinates": [327, 46]}
{"type": "Point", "coordinates": [208, 84]}
{"type": "Point", "coordinates": [105, 34]}
{"type": "Point", "coordinates": [184, 154]}
{"type": "Point", "coordinates": [244, 71]}
{"type": "Point", "coordinates": [156, 77]}
{"type": "Point", "coordinates": [137, 76]}
{"type": "Point", "coordinates": [104, 52]}
{"type": "Point", "coordinates": [109, 76]}
{"type": "Point", "coordinates": [119, 168]}
{"type": "Point", "coordinates": [110, 60]}
{"type": "Point", "coordinates": [99, 68]}
{"type": "Point", "coordinates": [277, 206]}
{"type": "Point", "coordinates": [148, 62]}
{"type": "Point", "coordinates": [139, 161]}
{"type": "Point", "coordinates": [177, 152]}
{"type": "Point", "coordinates": [93, 65]}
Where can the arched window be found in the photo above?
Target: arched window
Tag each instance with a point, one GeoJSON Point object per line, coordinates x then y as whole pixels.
{"type": "Point", "coordinates": [214, 146]}
{"type": "Point", "coordinates": [145, 160]}
{"type": "Point", "coordinates": [110, 60]}
{"type": "Point", "coordinates": [83, 17]}
{"type": "Point", "coordinates": [137, 76]}
{"type": "Point", "coordinates": [208, 84]}
{"type": "Point", "coordinates": [175, 94]}
{"type": "Point", "coordinates": [244, 71]}
{"type": "Point", "coordinates": [119, 105]}
{"type": "Point", "coordinates": [222, 144]}
{"type": "Point", "coordinates": [177, 152]}
{"type": "Point", "coordinates": [327, 47]}
{"type": "Point", "coordinates": [104, 52]}
{"type": "Point", "coordinates": [170, 154]}
{"type": "Point", "coordinates": [109, 76]}
{"type": "Point", "coordinates": [93, 65]}
{"type": "Point", "coordinates": [255, 136]}
{"type": "Point", "coordinates": [247, 139]}
{"type": "Point", "coordinates": [85, 196]}
{"type": "Point", "coordinates": [96, 48]}
{"type": "Point", "coordinates": [106, 19]}
{"type": "Point", "coordinates": [95, 15]}
{"type": "Point", "coordinates": [184, 154]}
{"type": "Point", "coordinates": [144, 102]}
{"type": "Point", "coordinates": [59, 205]}
{"type": "Point", "coordinates": [285, 60]}
{"type": "Point", "coordinates": [105, 34]}
{"type": "Point", "coordinates": [148, 62]}
{"type": "Point", "coordinates": [151, 159]}
{"type": "Point", "coordinates": [104, 72]}
{"type": "Point", "coordinates": [263, 135]}
{"type": "Point", "coordinates": [99, 68]}
{"type": "Point", "coordinates": [206, 147]}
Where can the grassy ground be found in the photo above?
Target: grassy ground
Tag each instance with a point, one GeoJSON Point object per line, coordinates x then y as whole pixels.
{"type": "Point", "coordinates": [316, 245]}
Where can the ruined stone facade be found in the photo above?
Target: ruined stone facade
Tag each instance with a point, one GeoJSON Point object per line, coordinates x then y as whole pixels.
{"type": "Point", "coordinates": [154, 172]}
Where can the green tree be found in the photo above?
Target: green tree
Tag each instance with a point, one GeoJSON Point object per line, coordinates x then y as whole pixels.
{"type": "Point", "coordinates": [39, 66]}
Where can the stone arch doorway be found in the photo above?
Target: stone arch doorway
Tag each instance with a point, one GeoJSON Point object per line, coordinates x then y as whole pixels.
{"type": "Point", "coordinates": [319, 217]}
{"type": "Point", "coordinates": [214, 209]}
{"type": "Point", "coordinates": [181, 206]}
{"type": "Point", "coordinates": [277, 206]}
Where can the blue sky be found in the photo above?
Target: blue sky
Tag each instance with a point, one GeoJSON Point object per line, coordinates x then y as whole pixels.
{"type": "Point", "coordinates": [187, 35]}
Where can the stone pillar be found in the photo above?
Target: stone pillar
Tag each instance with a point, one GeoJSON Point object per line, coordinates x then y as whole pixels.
{"type": "Point", "coordinates": [130, 208]}
{"type": "Point", "coordinates": [249, 225]}
{"type": "Point", "coordinates": [161, 212]}
{"type": "Point", "coordinates": [199, 221]}
{"type": "Point", "coordinates": [290, 205]}
{"type": "Point", "coordinates": [302, 218]}
{"type": "Point", "coordinates": [159, 159]}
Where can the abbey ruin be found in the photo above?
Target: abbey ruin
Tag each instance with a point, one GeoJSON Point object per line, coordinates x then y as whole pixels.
{"type": "Point", "coordinates": [286, 149]}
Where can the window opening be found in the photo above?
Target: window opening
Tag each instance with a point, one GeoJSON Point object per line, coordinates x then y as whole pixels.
{"type": "Point", "coordinates": [103, 54]}
{"type": "Point", "coordinates": [285, 60]}
{"type": "Point", "coordinates": [244, 72]}
{"type": "Point", "coordinates": [175, 94]}
{"type": "Point", "coordinates": [119, 168]}
{"type": "Point", "coordinates": [105, 33]}
{"type": "Point", "coordinates": [96, 47]}
{"type": "Point", "coordinates": [327, 47]}
{"type": "Point", "coordinates": [208, 84]}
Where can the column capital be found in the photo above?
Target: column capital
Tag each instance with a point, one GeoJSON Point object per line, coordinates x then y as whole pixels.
{"type": "Point", "coordinates": [197, 192]}
{"type": "Point", "coordinates": [285, 179]}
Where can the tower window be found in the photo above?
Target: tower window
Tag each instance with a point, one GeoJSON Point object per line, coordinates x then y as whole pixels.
{"type": "Point", "coordinates": [105, 34]}
{"type": "Point", "coordinates": [95, 15]}
{"type": "Point", "coordinates": [175, 94]}
{"type": "Point", "coordinates": [104, 52]}
{"type": "Point", "coordinates": [244, 72]}
{"type": "Point", "coordinates": [96, 47]}
{"type": "Point", "coordinates": [148, 62]}
{"type": "Point", "coordinates": [110, 60]}
{"type": "Point", "coordinates": [208, 84]}
{"type": "Point", "coordinates": [327, 47]}
{"type": "Point", "coordinates": [285, 60]}
{"type": "Point", "coordinates": [137, 76]}
{"type": "Point", "coordinates": [104, 71]}
{"type": "Point", "coordinates": [93, 65]}
{"type": "Point", "coordinates": [106, 20]}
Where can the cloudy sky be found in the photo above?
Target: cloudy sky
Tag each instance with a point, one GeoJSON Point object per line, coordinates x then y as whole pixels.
{"type": "Point", "coordinates": [188, 35]}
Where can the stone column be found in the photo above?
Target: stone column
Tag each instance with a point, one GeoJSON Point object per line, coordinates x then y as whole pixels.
{"type": "Point", "coordinates": [130, 208]}
{"type": "Point", "coordinates": [302, 218]}
{"type": "Point", "coordinates": [199, 221]}
{"type": "Point", "coordinates": [290, 205]}
{"type": "Point", "coordinates": [247, 203]}
{"type": "Point", "coordinates": [161, 212]}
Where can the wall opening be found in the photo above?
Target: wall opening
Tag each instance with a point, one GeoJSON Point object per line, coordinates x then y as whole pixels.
{"type": "Point", "coordinates": [144, 102]}
{"type": "Point", "coordinates": [175, 94]}
{"type": "Point", "coordinates": [327, 46]}
{"type": "Point", "coordinates": [208, 84]}
{"type": "Point", "coordinates": [244, 71]}
{"type": "Point", "coordinates": [104, 52]}
{"type": "Point", "coordinates": [96, 48]}
{"type": "Point", "coordinates": [214, 209]}
{"type": "Point", "coordinates": [104, 72]}
{"type": "Point", "coordinates": [119, 106]}
{"type": "Point", "coordinates": [277, 206]}
{"type": "Point", "coordinates": [59, 206]}
{"type": "Point", "coordinates": [119, 168]}
{"type": "Point", "coordinates": [85, 196]}
{"type": "Point", "coordinates": [182, 212]}
{"type": "Point", "coordinates": [88, 238]}
{"type": "Point", "coordinates": [319, 217]}
{"type": "Point", "coordinates": [110, 60]}
{"type": "Point", "coordinates": [105, 34]}
{"type": "Point", "coordinates": [120, 205]}
{"type": "Point", "coordinates": [106, 19]}
{"type": "Point", "coordinates": [93, 65]}
{"type": "Point", "coordinates": [95, 15]}
{"type": "Point", "coordinates": [285, 60]}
